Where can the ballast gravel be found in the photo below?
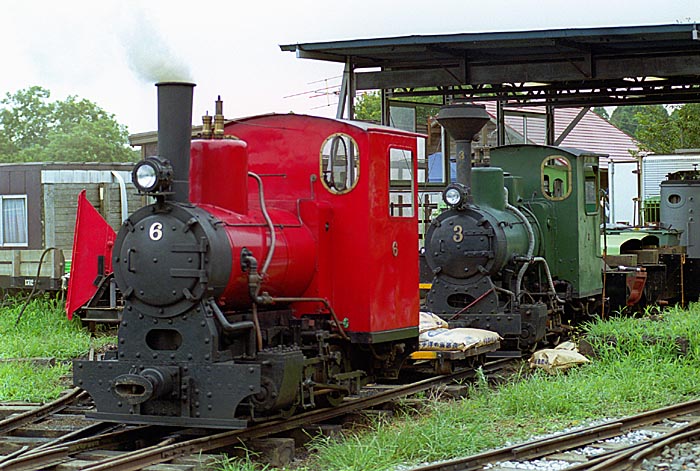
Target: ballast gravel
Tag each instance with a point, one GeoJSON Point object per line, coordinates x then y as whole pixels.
{"type": "Point", "coordinates": [678, 458]}
{"type": "Point", "coordinates": [685, 456]}
{"type": "Point", "coordinates": [682, 457]}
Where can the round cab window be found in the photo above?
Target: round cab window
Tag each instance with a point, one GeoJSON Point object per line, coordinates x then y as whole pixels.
{"type": "Point", "coordinates": [556, 178]}
{"type": "Point", "coordinates": [340, 163]}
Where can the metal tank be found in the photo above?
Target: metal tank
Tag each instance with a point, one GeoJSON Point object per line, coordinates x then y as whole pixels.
{"type": "Point", "coordinates": [680, 203]}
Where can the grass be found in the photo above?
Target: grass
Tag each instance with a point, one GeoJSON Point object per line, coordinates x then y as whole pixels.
{"type": "Point", "coordinates": [246, 463]}
{"type": "Point", "coordinates": [640, 365]}
{"type": "Point", "coordinates": [43, 331]}
{"type": "Point", "coordinates": [32, 383]}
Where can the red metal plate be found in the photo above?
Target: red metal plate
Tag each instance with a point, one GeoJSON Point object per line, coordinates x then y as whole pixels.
{"type": "Point", "coordinates": [93, 238]}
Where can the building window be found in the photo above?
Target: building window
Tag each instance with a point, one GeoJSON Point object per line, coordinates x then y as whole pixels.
{"type": "Point", "coordinates": [13, 227]}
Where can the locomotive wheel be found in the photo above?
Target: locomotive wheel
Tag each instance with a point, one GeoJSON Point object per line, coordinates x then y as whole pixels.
{"type": "Point", "coordinates": [287, 413]}
{"type": "Point", "coordinates": [331, 399]}
{"type": "Point", "coordinates": [334, 398]}
{"type": "Point", "coordinates": [525, 342]}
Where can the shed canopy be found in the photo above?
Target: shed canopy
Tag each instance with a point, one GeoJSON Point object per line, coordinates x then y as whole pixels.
{"type": "Point", "coordinates": [561, 67]}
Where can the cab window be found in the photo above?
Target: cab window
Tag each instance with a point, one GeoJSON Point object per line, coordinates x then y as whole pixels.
{"type": "Point", "coordinates": [590, 185]}
{"type": "Point", "coordinates": [401, 183]}
{"type": "Point", "coordinates": [340, 163]}
{"type": "Point", "coordinates": [556, 178]}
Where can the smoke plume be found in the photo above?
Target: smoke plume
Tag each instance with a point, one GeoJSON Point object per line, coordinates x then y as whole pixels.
{"type": "Point", "coordinates": [149, 55]}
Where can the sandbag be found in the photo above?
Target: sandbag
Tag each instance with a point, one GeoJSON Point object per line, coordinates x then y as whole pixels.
{"type": "Point", "coordinates": [553, 360]}
{"type": "Point", "coordinates": [461, 339]}
{"type": "Point", "coordinates": [568, 345]}
{"type": "Point", "coordinates": [430, 321]}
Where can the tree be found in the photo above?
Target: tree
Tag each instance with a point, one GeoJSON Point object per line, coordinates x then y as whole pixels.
{"type": "Point", "coordinates": [602, 112]}
{"type": "Point", "coordinates": [26, 118]}
{"type": "Point", "coordinates": [656, 131]}
{"type": "Point", "coordinates": [687, 118]}
{"type": "Point", "coordinates": [662, 133]}
{"type": "Point", "coordinates": [368, 107]}
{"type": "Point", "coordinates": [627, 117]}
{"type": "Point", "coordinates": [34, 129]}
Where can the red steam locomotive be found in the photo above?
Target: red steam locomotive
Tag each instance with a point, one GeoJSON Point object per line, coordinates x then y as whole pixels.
{"type": "Point", "coordinates": [276, 269]}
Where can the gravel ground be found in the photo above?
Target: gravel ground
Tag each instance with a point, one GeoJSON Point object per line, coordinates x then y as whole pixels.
{"type": "Point", "coordinates": [677, 458]}
{"type": "Point", "coordinates": [685, 456]}
{"type": "Point", "coordinates": [682, 457]}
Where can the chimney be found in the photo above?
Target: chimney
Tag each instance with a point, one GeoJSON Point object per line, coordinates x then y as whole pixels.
{"type": "Point", "coordinates": [175, 133]}
{"type": "Point", "coordinates": [461, 122]}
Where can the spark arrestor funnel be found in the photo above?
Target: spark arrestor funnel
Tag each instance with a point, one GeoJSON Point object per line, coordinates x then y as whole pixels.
{"type": "Point", "coordinates": [175, 132]}
{"type": "Point", "coordinates": [461, 122]}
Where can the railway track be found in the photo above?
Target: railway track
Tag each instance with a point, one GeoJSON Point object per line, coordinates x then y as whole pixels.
{"type": "Point", "coordinates": [161, 444]}
{"type": "Point", "coordinates": [38, 413]}
{"type": "Point", "coordinates": [612, 446]}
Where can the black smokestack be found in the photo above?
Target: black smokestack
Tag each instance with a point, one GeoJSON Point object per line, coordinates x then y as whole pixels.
{"type": "Point", "coordinates": [175, 132]}
{"type": "Point", "coordinates": [462, 121]}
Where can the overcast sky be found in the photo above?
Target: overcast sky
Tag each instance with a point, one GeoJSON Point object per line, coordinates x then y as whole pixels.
{"type": "Point", "coordinates": [113, 51]}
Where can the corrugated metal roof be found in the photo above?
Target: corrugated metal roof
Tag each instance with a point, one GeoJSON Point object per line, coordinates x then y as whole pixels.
{"type": "Point", "coordinates": [68, 165]}
{"type": "Point", "coordinates": [513, 46]}
{"type": "Point", "coordinates": [655, 168]}
{"type": "Point", "coordinates": [560, 67]}
{"type": "Point", "coordinates": [592, 133]}
{"type": "Point", "coordinates": [82, 176]}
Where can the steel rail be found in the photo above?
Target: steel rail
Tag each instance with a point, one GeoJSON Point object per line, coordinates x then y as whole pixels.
{"type": "Point", "coordinates": [16, 421]}
{"type": "Point", "coordinates": [624, 460]}
{"type": "Point", "coordinates": [158, 454]}
{"type": "Point", "coordinates": [85, 433]}
{"type": "Point", "coordinates": [14, 454]}
{"type": "Point", "coordinates": [627, 457]}
{"type": "Point", "coordinates": [40, 460]}
{"type": "Point", "coordinates": [564, 441]}
{"type": "Point", "coordinates": [44, 456]}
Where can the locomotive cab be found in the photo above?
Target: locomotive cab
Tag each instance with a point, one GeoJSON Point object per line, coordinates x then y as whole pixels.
{"type": "Point", "coordinates": [570, 210]}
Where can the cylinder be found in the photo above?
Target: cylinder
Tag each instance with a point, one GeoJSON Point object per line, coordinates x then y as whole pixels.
{"type": "Point", "coordinates": [175, 132]}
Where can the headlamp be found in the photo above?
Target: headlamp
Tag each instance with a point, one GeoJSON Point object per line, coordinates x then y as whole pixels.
{"type": "Point", "coordinates": [455, 195]}
{"type": "Point", "coordinates": [153, 175]}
